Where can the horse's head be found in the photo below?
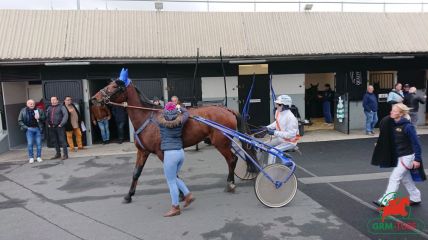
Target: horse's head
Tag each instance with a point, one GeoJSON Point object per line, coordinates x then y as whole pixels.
{"type": "Point", "coordinates": [115, 91]}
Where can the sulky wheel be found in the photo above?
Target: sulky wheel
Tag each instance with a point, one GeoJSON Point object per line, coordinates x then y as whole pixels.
{"type": "Point", "coordinates": [242, 172]}
{"type": "Point", "coordinates": [266, 191]}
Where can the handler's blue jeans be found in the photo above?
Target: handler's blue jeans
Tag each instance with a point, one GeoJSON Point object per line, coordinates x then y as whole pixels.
{"type": "Point", "coordinates": [327, 112]}
{"type": "Point", "coordinates": [172, 162]}
{"type": "Point", "coordinates": [34, 135]}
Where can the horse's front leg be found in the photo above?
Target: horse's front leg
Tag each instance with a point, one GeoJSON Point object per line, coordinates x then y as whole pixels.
{"type": "Point", "coordinates": [139, 165]}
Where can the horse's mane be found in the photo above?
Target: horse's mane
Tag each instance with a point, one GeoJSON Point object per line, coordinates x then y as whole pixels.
{"type": "Point", "coordinates": [144, 99]}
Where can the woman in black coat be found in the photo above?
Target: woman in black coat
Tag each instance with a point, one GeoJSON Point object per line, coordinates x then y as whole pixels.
{"type": "Point", "coordinates": [398, 146]}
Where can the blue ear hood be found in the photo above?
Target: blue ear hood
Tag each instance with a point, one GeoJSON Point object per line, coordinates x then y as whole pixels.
{"type": "Point", "coordinates": [124, 76]}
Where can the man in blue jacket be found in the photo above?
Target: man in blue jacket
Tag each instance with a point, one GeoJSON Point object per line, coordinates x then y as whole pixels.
{"type": "Point", "coordinates": [370, 110]}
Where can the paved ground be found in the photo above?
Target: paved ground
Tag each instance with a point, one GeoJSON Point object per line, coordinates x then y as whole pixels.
{"type": "Point", "coordinates": [81, 198]}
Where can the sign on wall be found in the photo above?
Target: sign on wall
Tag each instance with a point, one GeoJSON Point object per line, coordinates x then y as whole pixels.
{"type": "Point", "coordinates": [352, 82]}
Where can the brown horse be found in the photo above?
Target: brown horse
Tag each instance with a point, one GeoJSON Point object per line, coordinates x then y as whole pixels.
{"type": "Point", "coordinates": [143, 115]}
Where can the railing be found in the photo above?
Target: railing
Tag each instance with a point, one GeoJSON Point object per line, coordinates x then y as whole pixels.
{"type": "Point", "coordinates": [238, 5]}
{"type": "Point", "coordinates": [267, 5]}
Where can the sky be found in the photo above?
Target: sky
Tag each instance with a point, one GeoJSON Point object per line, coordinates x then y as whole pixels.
{"type": "Point", "coordinates": [224, 5]}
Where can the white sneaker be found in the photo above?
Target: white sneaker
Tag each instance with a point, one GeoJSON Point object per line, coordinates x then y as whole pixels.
{"type": "Point", "coordinates": [31, 160]}
{"type": "Point", "coordinates": [39, 159]}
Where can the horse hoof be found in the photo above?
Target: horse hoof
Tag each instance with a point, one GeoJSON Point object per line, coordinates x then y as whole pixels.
{"type": "Point", "coordinates": [127, 199]}
{"type": "Point", "coordinates": [230, 187]}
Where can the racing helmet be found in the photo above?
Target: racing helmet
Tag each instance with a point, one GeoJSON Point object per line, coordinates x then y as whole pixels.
{"type": "Point", "coordinates": [284, 100]}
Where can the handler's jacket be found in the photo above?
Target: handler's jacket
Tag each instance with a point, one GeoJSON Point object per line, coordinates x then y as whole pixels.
{"type": "Point", "coordinates": [286, 126]}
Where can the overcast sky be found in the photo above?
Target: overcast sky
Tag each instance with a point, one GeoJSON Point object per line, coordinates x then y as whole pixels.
{"type": "Point", "coordinates": [214, 5]}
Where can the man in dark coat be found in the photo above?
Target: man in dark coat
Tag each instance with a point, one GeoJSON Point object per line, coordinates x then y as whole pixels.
{"type": "Point", "coordinates": [412, 101]}
{"type": "Point", "coordinates": [120, 116]}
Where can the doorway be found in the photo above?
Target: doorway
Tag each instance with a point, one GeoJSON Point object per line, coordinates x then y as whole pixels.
{"type": "Point", "coordinates": [315, 86]}
{"type": "Point", "coordinates": [259, 110]}
{"type": "Point", "coordinates": [94, 86]}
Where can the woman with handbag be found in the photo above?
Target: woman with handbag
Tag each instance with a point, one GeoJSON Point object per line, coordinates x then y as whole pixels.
{"type": "Point", "coordinates": [398, 146]}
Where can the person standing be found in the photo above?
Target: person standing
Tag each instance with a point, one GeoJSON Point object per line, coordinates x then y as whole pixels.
{"type": "Point", "coordinates": [30, 120]}
{"type": "Point", "coordinates": [100, 114]}
{"type": "Point", "coordinates": [72, 127]}
{"type": "Point", "coordinates": [327, 98]}
{"type": "Point", "coordinates": [171, 123]}
{"type": "Point", "coordinates": [177, 102]}
{"type": "Point", "coordinates": [57, 116]}
{"type": "Point", "coordinates": [156, 101]}
{"type": "Point", "coordinates": [41, 105]}
{"type": "Point", "coordinates": [370, 110]}
{"type": "Point", "coordinates": [120, 117]}
{"type": "Point", "coordinates": [396, 95]}
{"type": "Point", "coordinates": [398, 146]}
{"type": "Point", "coordinates": [406, 89]}
{"type": "Point", "coordinates": [412, 101]}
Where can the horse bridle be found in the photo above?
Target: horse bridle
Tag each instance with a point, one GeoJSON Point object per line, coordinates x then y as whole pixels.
{"type": "Point", "coordinates": [106, 96]}
{"type": "Point", "coordinates": [106, 99]}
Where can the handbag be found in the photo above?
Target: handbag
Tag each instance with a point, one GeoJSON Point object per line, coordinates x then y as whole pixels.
{"type": "Point", "coordinates": [414, 172]}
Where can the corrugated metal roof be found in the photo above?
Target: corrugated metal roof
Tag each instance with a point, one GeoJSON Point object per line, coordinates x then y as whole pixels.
{"type": "Point", "coordinates": [110, 35]}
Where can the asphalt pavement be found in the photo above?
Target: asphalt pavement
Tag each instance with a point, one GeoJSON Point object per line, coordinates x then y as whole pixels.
{"type": "Point", "coordinates": [81, 198]}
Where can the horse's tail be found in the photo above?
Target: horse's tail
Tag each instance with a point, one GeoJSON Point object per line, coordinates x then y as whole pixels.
{"type": "Point", "coordinates": [243, 127]}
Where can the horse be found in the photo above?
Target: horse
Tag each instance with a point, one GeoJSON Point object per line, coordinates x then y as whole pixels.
{"type": "Point", "coordinates": [144, 115]}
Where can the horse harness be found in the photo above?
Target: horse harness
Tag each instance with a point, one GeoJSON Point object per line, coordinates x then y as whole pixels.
{"type": "Point", "coordinates": [149, 120]}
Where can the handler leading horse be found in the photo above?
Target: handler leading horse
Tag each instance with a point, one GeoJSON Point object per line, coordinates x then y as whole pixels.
{"type": "Point", "coordinates": [143, 115]}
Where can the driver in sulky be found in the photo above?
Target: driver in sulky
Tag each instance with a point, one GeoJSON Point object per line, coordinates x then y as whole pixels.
{"type": "Point", "coordinates": [284, 130]}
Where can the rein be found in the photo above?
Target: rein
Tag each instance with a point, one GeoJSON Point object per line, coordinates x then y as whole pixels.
{"type": "Point", "coordinates": [125, 105]}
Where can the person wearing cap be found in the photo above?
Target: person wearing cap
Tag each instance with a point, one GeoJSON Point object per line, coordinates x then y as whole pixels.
{"type": "Point", "coordinates": [285, 128]}
{"type": "Point", "coordinates": [171, 123]}
{"type": "Point", "coordinates": [406, 89]}
{"type": "Point", "coordinates": [412, 101]}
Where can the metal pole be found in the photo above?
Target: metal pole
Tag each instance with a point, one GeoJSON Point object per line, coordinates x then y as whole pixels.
{"type": "Point", "coordinates": [1, 122]}
{"type": "Point", "coordinates": [78, 4]}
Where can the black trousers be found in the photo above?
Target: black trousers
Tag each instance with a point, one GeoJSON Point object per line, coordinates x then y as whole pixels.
{"type": "Point", "coordinates": [57, 135]}
{"type": "Point", "coordinates": [121, 130]}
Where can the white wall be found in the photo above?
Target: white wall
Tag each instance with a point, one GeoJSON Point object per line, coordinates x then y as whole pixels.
{"type": "Point", "coordinates": [422, 108]}
{"type": "Point", "coordinates": [14, 92]}
{"type": "Point", "coordinates": [357, 118]}
{"type": "Point", "coordinates": [213, 89]}
{"type": "Point", "coordinates": [34, 92]}
{"type": "Point", "coordinates": [15, 97]}
{"type": "Point", "coordinates": [292, 85]}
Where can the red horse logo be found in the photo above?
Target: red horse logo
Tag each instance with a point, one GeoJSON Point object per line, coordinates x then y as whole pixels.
{"type": "Point", "coordinates": [395, 207]}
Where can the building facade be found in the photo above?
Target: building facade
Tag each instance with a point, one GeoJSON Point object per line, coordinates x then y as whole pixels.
{"type": "Point", "coordinates": [76, 53]}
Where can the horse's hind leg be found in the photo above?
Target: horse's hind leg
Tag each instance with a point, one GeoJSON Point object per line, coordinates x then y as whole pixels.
{"type": "Point", "coordinates": [139, 165]}
{"type": "Point", "coordinates": [223, 146]}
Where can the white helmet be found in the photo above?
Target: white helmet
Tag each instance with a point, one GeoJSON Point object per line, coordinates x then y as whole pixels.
{"type": "Point", "coordinates": [284, 100]}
